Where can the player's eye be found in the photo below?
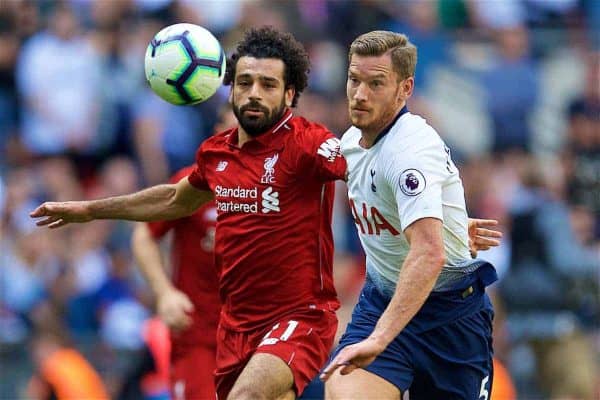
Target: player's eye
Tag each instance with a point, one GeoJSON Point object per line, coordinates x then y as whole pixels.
{"type": "Point", "coordinates": [353, 80]}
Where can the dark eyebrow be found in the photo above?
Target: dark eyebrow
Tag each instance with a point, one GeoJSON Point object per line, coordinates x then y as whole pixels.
{"type": "Point", "coordinates": [371, 78]}
{"type": "Point", "coordinates": [269, 79]}
{"type": "Point", "coordinates": [260, 77]}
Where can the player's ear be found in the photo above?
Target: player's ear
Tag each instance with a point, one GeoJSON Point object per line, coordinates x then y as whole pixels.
{"type": "Point", "coordinates": [230, 98]}
{"type": "Point", "coordinates": [289, 94]}
{"type": "Point", "coordinates": [408, 85]}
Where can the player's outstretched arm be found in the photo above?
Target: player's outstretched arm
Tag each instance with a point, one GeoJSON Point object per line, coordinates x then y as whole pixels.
{"type": "Point", "coordinates": [155, 203]}
{"type": "Point", "coordinates": [172, 305]}
{"type": "Point", "coordinates": [418, 275]}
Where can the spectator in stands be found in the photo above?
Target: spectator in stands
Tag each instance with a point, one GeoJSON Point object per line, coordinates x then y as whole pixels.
{"type": "Point", "coordinates": [582, 154]}
{"type": "Point", "coordinates": [58, 79]}
{"type": "Point", "coordinates": [552, 277]}
{"type": "Point", "coordinates": [512, 89]}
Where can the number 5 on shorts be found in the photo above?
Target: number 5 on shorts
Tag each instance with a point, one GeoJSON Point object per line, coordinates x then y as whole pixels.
{"type": "Point", "coordinates": [267, 339]}
{"type": "Point", "coordinates": [483, 392]}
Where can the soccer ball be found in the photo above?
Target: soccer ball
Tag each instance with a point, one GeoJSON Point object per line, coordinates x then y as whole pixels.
{"type": "Point", "coordinates": [184, 64]}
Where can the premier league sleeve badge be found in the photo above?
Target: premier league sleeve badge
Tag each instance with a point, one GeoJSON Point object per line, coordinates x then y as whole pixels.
{"type": "Point", "coordinates": [412, 182]}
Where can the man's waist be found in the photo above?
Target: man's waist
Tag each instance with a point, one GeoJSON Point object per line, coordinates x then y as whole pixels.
{"type": "Point", "coordinates": [477, 272]}
{"type": "Point", "coordinates": [239, 321]}
{"type": "Point", "coordinates": [439, 308]}
{"type": "Point", "coordinates": [460, 277]}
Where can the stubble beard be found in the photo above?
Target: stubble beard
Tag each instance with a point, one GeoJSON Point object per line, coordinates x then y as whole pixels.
{"type": "Point", "coordinates": [374, 125]}
{"type": "Point", "coordinates": [255, 126]}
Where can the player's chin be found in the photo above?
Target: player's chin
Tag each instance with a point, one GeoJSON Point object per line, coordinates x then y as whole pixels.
{"type": "Point", "coordinates": [255, 126]}
{"type": "Point", "coordinates": [360, 122]}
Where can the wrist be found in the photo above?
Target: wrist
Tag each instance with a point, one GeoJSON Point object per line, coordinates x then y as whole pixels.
{"type": "Point", "coordinates": [163, 288]}
{"type": "Point", "coordinates": [380, 341]}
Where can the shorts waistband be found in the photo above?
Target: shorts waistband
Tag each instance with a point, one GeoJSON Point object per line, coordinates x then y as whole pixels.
{"type": "Point", "coordinates": [474, 282]}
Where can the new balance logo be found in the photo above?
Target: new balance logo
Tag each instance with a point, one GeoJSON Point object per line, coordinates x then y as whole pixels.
{"type": "Point", "coordinates": [270, 200]}
{"type": "Point", "coordinates": [330, 149]}
{"type": "Point", "coordinates": [221, 166]}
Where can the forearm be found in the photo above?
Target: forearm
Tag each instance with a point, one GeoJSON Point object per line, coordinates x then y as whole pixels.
{"type": "Point", "coordinates": [155, 203]}
{"type": "Point", "coordinates": [149, 259]}
{"type": "Point", "coordinates": [415, 282]}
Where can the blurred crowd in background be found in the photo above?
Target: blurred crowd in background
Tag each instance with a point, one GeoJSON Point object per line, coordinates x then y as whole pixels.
{"type": "Point", "coordinates": [512, 86]}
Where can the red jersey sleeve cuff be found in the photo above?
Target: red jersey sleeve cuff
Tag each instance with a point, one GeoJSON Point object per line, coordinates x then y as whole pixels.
{"type": "Point", "coordinates": [197, 181]}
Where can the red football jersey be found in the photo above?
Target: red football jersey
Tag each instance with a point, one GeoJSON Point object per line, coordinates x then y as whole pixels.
{"type": "Point", "coordinates": [194, 273]}
{"type": "Point", "coordinates": [274, 196]}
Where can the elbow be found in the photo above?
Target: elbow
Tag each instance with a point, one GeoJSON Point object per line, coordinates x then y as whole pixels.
{"type": "Point", "coordinates": [187, 210]}
{"type": "Point", "coordinates": [177, 207]}
{"type": "Point", "coordinates": [178, 210]}
{"type": "Point", "coordinates": [439, 260]}
{"type": "Point", "coordinates": [436, 257]}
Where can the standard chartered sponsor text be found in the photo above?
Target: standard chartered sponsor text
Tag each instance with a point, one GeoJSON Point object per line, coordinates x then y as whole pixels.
{"type": "Point", "coordinates": [231, 206]}
{"type": "Point", "coordinates": [237, 193]}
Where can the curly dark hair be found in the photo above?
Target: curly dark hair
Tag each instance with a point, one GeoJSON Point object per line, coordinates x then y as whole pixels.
{"type": "Point", "coordinates": [267, 42]}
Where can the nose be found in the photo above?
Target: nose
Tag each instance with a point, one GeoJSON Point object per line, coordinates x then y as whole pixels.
{"type": "Point", "coordinates": [360, 94]}
{"type": "Point", "coordinates": [255, 92]}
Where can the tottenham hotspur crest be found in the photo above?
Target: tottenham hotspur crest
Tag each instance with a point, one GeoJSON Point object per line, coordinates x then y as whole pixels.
{"type": "Point", "coordinates": [268, 176]}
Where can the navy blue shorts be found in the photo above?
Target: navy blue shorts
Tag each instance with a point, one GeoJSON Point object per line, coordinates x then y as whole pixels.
{"type": "Point", "coordinates": [445, 352]}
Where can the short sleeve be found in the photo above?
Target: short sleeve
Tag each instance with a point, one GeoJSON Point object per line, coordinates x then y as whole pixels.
{"type": "Point", "coordinates": [416, 181]}
{"type": "Point", "coordinates": [321, 156]}
{"type": "Point", "coordinates": [197, 177]}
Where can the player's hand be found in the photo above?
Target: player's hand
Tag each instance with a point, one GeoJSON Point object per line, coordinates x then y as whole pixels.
{"type": "Point", "coordinates": [60, 214]}
{"type": "Point", "coordinates": [480, 237]}
{"type": "Point", "coordinates": [173, 307]}
{"type": "Point", "coordinates": [355, 356]}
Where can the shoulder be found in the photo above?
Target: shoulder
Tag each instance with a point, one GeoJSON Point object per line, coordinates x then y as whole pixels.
{"type": "Point", "coordinates": [216, 141]}
{"type": "Point", "coordinates": [182, 173]}
{"type": "Point", "coordinates": [412, 143]}
{"type": "Point", "coordinates": [351, 136]}
{"type": "Point", "coordinates": [413, 135]}
{"type": "Point", "coordinates": [310, 135]}
{"type": "Point", "coordinates": [304, 129]}
{"type": "Point", "coordinates": [221, 137]}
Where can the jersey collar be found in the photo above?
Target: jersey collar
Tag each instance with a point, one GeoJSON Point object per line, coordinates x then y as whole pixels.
{"type": "Point", "coordinates": [264, 139]}
{"type": "Point", "coordinates": [387, 129]}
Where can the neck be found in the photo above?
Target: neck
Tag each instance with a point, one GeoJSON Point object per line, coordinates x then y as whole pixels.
{"type": "Point", "coordinates": [243, 136]}
{"type": "Point", "coordinates": [370, 135]}
{"type": "Point", "coordinates": [368, 138]}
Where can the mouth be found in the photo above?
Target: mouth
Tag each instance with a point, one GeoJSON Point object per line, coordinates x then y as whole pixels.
{"type": "Point", "coordinates": [253, 110]}
{"type": "Point", "coordinates": [254, 113]}
{"type": "Point", "coordinates": [359, 110]}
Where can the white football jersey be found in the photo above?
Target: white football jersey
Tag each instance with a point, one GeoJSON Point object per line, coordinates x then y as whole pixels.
{"type": "Point", "coordinates": [406, 175]}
